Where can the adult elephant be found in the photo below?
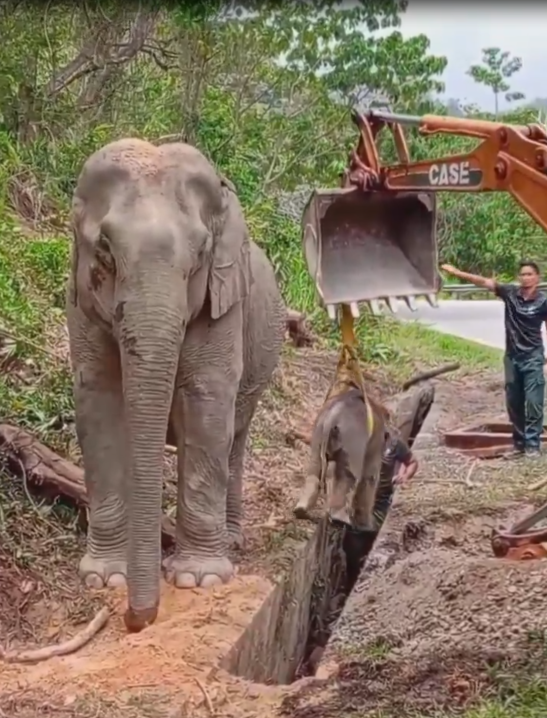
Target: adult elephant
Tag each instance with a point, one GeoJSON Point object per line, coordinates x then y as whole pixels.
{"type": "Point", "coordinates": [176, 325]}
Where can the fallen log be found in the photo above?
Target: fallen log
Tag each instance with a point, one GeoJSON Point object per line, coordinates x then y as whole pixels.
{"type": "Point", "coordinates": [52, 475]}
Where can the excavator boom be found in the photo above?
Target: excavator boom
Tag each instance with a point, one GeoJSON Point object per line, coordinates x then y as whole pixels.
{"type": "Point", "coordinates": [375, 237]}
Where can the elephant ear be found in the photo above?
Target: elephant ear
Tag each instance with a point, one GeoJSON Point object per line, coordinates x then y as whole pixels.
{"type": "Point", "coordinates": [230, 273]}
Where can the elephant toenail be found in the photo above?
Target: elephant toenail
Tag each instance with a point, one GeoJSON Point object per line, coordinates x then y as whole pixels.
{"type": "Point", "coordinates": [185, 580]}
{"type": "Point", "coordinates": [116, 580]}
{"type": "Point", "coordinates": [93, 580]}
{"type": "Point", "coordinates": [209, 580]}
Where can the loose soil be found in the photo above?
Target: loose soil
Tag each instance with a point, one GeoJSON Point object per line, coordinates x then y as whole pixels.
{"type": "Point", "coordinates": [435, 618]}
{"type": "Point", "coordinates": [437, 584]}
{"type": "Point", "coordinates": [43, 602]}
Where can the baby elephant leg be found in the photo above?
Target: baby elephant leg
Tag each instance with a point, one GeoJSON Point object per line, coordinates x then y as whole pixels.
{"type": "Point", "coordinates": [342, 486]}
{"type": "Point", "coordinates": [365, 493]}
{"type": "Point", "coordinates": [308, 496]}
{"type": "Point", "coordinates": [316, 468]}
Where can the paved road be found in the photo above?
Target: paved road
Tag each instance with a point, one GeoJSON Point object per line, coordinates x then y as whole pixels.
{"type": "Point", "coordinates": [478, 320]}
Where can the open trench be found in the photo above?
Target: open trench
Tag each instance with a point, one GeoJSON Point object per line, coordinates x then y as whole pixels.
{"type": "Point", "coordinates": [295, 622]}
{"type": "Point", "coordinates": [287, 636]}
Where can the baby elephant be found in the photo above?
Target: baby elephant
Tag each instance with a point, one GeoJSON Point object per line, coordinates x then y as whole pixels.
{"type": "Point", "coordinates": [350, 433]}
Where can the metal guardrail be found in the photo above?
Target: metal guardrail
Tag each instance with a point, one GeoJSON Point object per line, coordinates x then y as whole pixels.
{"type": "Point", "coordinates": [472, 289]}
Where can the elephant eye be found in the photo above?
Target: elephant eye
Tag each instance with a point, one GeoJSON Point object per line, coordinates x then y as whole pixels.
{"type": "Point", "coordinates": [104, 253]}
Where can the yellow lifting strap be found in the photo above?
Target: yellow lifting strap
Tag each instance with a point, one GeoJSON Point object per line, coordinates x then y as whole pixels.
{"type": "Point", "coordinates": [348, 372]}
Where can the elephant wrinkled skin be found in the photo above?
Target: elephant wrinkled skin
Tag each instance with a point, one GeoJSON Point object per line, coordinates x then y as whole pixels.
{"type": "Point", "coordinates": [343, 444]}
{"type": "Point", "coordinates": [176, 326]}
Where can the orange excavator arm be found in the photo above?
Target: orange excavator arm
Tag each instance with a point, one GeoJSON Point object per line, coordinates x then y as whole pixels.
{"type": "Point", "coordinates": [510, 158]}
{"type": "Point", "coordinates": [374, 238]}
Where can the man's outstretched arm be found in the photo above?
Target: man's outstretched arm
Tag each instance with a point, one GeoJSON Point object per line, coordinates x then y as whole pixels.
{"type": "Point", "coordinates": [476, 279]}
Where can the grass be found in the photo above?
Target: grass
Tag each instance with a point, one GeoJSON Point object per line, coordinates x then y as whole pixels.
{"type": "Point", "coordinates": [514, 697]}
{"type": "Point", "coordinates": [515, 700]}
{"type": "Point", "coordinates": [411, 342]}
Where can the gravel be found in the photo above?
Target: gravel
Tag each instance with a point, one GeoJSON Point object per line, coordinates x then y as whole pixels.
{"type": "Point", "coordinates": [438, 601]}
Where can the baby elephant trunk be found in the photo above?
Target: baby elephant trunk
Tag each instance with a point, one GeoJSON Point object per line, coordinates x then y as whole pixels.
{"type": "Point", "coordinates": [346, 450]}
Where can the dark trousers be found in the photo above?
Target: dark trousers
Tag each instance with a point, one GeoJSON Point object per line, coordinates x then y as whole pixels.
{"type": "Point", "coordinates": [525, 397]}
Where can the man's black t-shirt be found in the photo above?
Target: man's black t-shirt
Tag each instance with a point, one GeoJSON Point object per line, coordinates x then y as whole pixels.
{"type": "Point", "coordinates": [523, 319]}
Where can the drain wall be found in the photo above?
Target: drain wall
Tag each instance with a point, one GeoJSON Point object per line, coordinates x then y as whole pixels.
{"type": "Point", "coordinates": [274, 645]}
{"type": "Point", "coordinates": [299, 614]}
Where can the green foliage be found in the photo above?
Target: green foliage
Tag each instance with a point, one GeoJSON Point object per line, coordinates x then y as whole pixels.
{"type": "Point", "coordinates": [263, 89]}
{"type": "Point", "coordinates": [496, 69]}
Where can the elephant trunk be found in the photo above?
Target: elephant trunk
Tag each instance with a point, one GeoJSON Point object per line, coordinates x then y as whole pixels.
{"type": "Point", "coordinates": [151, 328]}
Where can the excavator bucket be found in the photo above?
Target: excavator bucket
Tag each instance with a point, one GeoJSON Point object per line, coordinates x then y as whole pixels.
{"type": "Point", "coordinates": [369, 246]}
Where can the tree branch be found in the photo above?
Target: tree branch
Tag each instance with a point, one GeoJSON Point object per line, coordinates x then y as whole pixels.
{"type": "Point", "coordinates": [97, 54]}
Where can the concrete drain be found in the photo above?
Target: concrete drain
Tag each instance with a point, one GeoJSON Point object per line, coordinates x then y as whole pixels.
{"type": "Point", "coordinates": [299, 615]}
{"type": "Point", "coordinates": [484, 441]}
{"type": "Point", "coordinates": [287, 635]}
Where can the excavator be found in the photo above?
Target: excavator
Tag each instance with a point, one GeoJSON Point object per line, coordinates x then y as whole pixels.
{"type": "Point", "coordinates": [373, 239]}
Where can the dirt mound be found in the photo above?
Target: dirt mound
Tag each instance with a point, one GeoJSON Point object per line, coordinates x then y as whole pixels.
{"type": "Point", "coordinates": [194, 629]}
{"type": "Point", "coordinates": [427, 630]}
{"type": "Point", "coordinates": [436, 600]}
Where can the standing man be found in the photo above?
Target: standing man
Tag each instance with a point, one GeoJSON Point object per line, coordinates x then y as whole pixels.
{"type": "Point", "coordinates": [525, 311]}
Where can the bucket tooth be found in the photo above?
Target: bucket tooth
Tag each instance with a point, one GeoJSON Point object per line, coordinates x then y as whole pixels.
{"type": "Point", "coordinates": [393, 304]}
{"type": "Point", "coordinates": [432, 300]}
{"type": "Point", "coordinates": [411, 303]}
{"type": "Point", "coordinates": [354, 309]}
{"type": "Point", "coordinates": [374, 305]}
{"type": "Point", "coordinates": [332, 312]}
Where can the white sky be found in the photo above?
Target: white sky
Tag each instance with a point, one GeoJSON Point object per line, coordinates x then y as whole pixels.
{"type": "Point", "coordinates": [460, 31]}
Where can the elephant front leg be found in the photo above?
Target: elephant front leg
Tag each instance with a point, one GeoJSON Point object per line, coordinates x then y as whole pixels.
{"type": "Point", "coordinates": [203, 417]}
{"type": "Point", "coordinates": [100, 429]}
{"type": "Point", "coordinates": [234, 504]}
{"type": "Point", "coordinates": [363, 504]}
{"type": "Point", "coordinates": [308, 497]}
{"type": "Point", "coordinates": [315, 476]}
{"type": "Point", "coordinates": [200, 557]}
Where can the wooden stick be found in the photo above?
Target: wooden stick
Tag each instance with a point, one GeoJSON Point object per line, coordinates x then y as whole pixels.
{"type": "Point", "coordinates": [467, 479]}
{"type": "Point", "coordinates": [60, 649]}
{"type": "Point", "coordinates": [206, 696]}
{"type": "Point", "coordinates": [417, 378]}
{"type": "Point", "coordinates": [537, 485]}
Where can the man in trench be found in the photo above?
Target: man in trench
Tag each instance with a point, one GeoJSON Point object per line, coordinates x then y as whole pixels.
{"type": "Point", "coordinates": [399, 465]}
{"type": "Point", "coordinates": [524, 361]}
